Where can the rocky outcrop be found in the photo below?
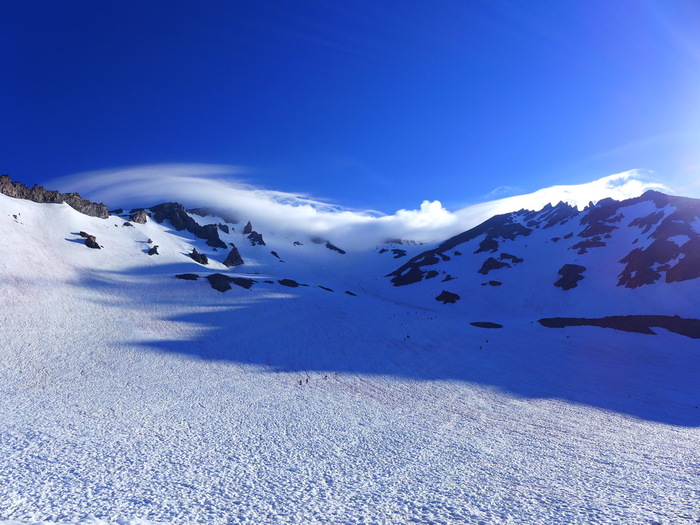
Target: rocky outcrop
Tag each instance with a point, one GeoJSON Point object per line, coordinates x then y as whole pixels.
{"type": "Point", "coordinates": [570, 276]}
{"type": "Point", "coordinates": [153, 250]}
{"type": "Point", "coordinates": [90, 240]}
{"type": "Point", "coordinates": [256, 238]}
{"type": "Point", "coordinates": [39, 194]}
{"type": "Point", "coordinates": [447, 297]}
{"type": "Point", "coordinates": [140, 217]}
{"type": "Point", "coordinates": [248, 228]}
{"type": "Point", "coordinates": [180, 220]}
{"type": "Point", "coordinates": [234, 258]}
{"type": "Point", "coordinates": [201, 258]}
{"type": "Point", "coordinates": [334, 248]}
{"type": "Point", "coordinates": [631, 323]}
{"type": "Point", "coordinates": [222, 283]}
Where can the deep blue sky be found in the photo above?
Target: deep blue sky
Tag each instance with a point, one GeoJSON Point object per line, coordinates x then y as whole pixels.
{"type": "Point", "coordinates": [369, 104]}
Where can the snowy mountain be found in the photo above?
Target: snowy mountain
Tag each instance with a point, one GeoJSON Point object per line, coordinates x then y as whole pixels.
{"type": "Point", "coordinates": [170, 365]}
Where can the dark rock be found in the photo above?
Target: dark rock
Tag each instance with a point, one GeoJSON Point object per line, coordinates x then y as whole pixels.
{"type": "Point", "coordinates": [118, 211]}
{"type": "Point", "coordinates": [500, 226]}
{"type": "Point", "coordinates": [288, 282]}
{"type": "Point", "coordinates": [91, 242]}
{"type": "Point", "coordinates": [570, 276]}
{"type": "Point", "coordinates": [333, 247]}
{"type": "Point", "coordinates": [224, 228]}
{"type": "Point", "coordinates": [432, 274]}
{"type": "Point", "coordinates": [492, 264]}
{"type": "Point", "coordinates": [486, 324]}
{"type": "Point", "coordinates": [222, 282]}
{"type": "Point", "coordinates": [447, 297]}
{"type": "Point", "coordinates": [398, 253]}
{"type": "Point", "coordinates": [153, 250]}
{"type": "Point", "coordinates": [234, 258]}
{"type": "Point", "coordinates": [631, 323]}
{"type": "Point", "coordinates": [448, 277]}
{"type": "Point", "coordinates": [384, 250]}
{"type": "Point", "coordinates": [85, 235]}
{"type": "Point", "coordinates": [140, 217]}
{"type": "Point", "coordinates": [201, 258]}
{"type": "Point", "coordinates": [583, 246]}
{"type": "Point", "coordinates": [509, 257]}
{"type": "Point", "coordinates": [350, 293]}
{"type": "Point", "coordinates": [188, 276]}
{"type": "Point", "coordinates": [248, 228]}
{"type": "Point", "coordinates": [569, 235]}
{"type": "Point", "coordinates": [150, 241]}
{"type": "Point", "coordinates": [39, 194]}
{"type": "Point", "coordinates": [297, 243]}
{"type": "Point", "coordinates": [201, 212]}
{"type": "Point", "coordinates": [255, 238]}
{"type": "Point", "coordinates": [324, 288]}
{"type": "Point", "coordinates": [127, 223]}
{"type": "Point", "coordinates": [176, 214]}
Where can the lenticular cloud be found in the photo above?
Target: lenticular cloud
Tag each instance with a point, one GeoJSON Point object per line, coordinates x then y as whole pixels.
{"type": "Point", "coordinates": [221, 188]}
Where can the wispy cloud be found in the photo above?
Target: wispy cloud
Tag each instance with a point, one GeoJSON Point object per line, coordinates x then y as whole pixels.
{"type": "Point", "coordinates": [220, 187]}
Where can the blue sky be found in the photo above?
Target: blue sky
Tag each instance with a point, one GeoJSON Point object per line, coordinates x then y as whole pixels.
{"type": "Point", "coordinates": [368, 104]}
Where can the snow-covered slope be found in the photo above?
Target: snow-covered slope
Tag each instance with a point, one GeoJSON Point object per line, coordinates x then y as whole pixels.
{"type": "Point", "coordinates": [316, 390]}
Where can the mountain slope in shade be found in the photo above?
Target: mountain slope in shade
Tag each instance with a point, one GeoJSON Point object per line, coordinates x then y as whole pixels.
{"type": "Point", "coordinates": [304, 386]}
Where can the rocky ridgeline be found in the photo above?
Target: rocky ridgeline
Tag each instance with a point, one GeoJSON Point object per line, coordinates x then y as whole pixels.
{"type": "Point", "coordinates": [41, 195]}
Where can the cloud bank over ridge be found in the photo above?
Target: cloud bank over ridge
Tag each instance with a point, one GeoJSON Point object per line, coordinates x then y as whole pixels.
{"type": "Point", "coordinates": [219, 187]}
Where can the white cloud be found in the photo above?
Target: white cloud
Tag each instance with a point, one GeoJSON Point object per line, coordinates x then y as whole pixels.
{"type": "Point", "coordinates": [217, 187]}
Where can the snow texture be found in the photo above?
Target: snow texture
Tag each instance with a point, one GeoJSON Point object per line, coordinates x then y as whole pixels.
{"type": "Point", "coordinates": [131, 397]}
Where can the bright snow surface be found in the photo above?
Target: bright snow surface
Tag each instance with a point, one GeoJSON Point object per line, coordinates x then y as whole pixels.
{"type": "Point", "coordinates": [128, 396]}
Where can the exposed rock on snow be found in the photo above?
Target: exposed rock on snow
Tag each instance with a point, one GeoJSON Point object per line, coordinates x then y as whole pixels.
{"type": "Point", "coordinates": [188, 276]}
{"type": "Point", "coordinates": [447, 297]}
{"type": "Point", "coordinates": [140, 217]}
{"type": "Point", "coordinates": [201, 258]}
{"type": "Point", "coordinates": [180, 220]}
{"type": "Point", "coordinates": [39, 194]}
{"type": "Point", "coordinates": [153, 250]}
{"type": "Point", "coordinates": [234, 257]}
{"type": "Point", "coordinates": [334, 248]}
{"type": "Point", "coordinates": [248, 228]}
{"type": "Point", "coordinates": [631, 323]}
{"type": "Point", "coordinates": [486, 324]}
{"type": "Point", "coordinates": [222, 282]}
{"type": "Point", "coordinates": [255, 238]}
{"type": "Point", "coordinates": [570, 276]}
